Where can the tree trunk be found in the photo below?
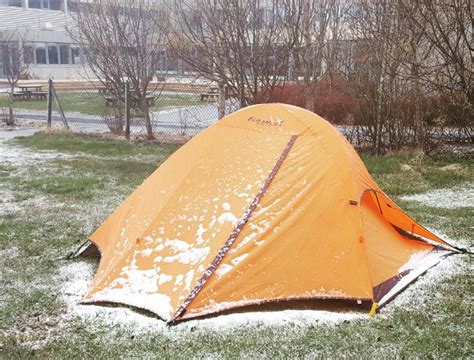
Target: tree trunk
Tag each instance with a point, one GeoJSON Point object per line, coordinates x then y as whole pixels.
{"type": "Point", "coordinates": [221, 108]}
{"type": "Point", "coordinates": [308, 86]}
{"type": "Point", "coordinates": [146, 111]}
{"type": "Point", "coordinates": [378, 114]}
{"type": "Point", "coordinates": [418, 118]}
{"type": "Point", "coordinates": [11, 119]}
{"type": "Point", "coordinates": [309, 95]}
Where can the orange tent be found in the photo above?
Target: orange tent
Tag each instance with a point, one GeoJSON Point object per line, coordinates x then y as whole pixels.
{"type": "Point", "coordinates": [269, 204]}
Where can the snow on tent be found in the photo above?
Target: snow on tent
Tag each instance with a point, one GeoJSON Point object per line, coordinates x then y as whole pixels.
{"type": "Point", "coordinates": [269, 204]}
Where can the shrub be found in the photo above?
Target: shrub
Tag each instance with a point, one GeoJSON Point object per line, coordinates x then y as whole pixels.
{"type": "Point", "coordinates": [332, 98]}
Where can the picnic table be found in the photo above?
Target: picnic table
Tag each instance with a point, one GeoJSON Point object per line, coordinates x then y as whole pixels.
{"type": "Point", "coordinates": [102, 90]}
{"type": "Point", "coordinates": [29, 92]}
{"type": "Point", "coordinates": [211, 95]}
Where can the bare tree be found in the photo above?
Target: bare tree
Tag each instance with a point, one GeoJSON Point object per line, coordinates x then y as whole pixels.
{"type": "Point", "coordinates": [240, 44]}
{"type": "Point", "coordinates": [121, 41]}
{"type": "Point", "coordinates": [417, 52]}
{"type": "Point", "coordinates": [447, 28]}
{"type": "Point", "coordinates": [312, 30]}
{"type": "Point", "coordinates": [15, 68]}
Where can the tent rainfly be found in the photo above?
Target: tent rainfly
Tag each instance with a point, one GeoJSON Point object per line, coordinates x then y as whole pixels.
{"type": "Point", "coordinates": [269, 204]}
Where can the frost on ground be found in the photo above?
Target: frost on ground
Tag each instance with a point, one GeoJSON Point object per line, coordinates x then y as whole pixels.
{"type": "Point", "coordinates": [7, 203]}
{"type": "Point", "coordinates": [457, 197]}
{"type": "Point", "coordinates": [18, 156]}
{"type": "Point", "coordinates": [77, 277]}
{"type": "Point", "coordinates": [419, 292]}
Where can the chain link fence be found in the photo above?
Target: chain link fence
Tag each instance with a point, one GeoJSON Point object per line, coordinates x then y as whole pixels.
{"type": "Point", "coordinates": [171, 111]}
{"type": "Point", "coordinates": [176, 110]}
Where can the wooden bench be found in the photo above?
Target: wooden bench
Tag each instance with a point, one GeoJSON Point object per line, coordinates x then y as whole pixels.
{"type": "Point", "coordinates": [211, 95]}
{"type": "Point", "coordinates": [30, 95]}
{"type": "Point", "coordinates": [20, 96]}
{"type": "Point", "coordinates": [40, 95]}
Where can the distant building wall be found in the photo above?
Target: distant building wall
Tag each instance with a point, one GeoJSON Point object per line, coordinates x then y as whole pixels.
{"type": "Point", "coordinates": [47, 45]}
{"type": "Point", "coordinates": [66, 72]}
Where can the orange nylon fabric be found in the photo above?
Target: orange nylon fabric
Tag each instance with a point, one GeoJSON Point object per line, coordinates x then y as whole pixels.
{"type": "Point", "coordinates": [303, 240]}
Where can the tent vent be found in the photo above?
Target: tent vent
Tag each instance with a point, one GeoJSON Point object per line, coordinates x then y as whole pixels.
{"type": "Point", "coordinates": [353, 202]}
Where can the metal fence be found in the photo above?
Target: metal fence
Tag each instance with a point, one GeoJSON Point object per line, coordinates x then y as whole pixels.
{"type": "Point", "coordinates": [176, 111]}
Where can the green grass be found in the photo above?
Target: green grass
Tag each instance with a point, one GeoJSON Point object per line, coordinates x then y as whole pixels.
{"type": "Point", "coordinates": [425, 172]}
{"type": "Point", "coordinates": [62, 200]}
{"type": "Point", "coordinates": [73, 144]}
{"type": "Point", "coordinates": [90, 103]}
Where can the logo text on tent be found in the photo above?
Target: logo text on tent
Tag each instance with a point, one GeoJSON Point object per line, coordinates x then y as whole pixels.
{"type": "Point", "coordinates": [269, 122]}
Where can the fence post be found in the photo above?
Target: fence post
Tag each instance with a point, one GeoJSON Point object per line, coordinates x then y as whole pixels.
{"type": "Point", "coordinates": [60, 107]}
{"type": "Point", "coordinates": [50, 103]}
{"type": "Point", "coordinates": [127, 110]}
{"type": "Point", "coordinates": [222, 96]}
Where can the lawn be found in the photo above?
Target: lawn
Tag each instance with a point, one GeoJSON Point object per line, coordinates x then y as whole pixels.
{"type": "Point", "coordinates": [92, 103]}
{"type": "Point", "coordinates": [54, 203]}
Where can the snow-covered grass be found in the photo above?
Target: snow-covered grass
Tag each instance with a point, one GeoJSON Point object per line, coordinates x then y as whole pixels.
{"type": "Point", "coordinates": [451, 198]}
{"type": "Point", "coordinates": [45, 212]}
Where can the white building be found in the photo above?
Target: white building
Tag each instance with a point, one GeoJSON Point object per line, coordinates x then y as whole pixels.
{"type": "Point", "coordinates": [46, 46]}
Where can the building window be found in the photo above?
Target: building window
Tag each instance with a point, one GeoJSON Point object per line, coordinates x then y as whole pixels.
{"type": "Point", "coordinates": [40, 54]}
{"type": "Point", "coordinates": [47, 4]}
{"type": "Point", "coordinates": [53, 54]}
{"type": "Point", "coordinates": [64, 54]}
{"type": "Point", "coordinates": [16, 3]}
{"type": "Point", "coordinates": [28, 55]}
{"type": "Point", "coordinates": [75, 56]}
{"type": "Point", "coordinates": [35, 4]}
{"type": "Point", "coordinates": [55, 4]}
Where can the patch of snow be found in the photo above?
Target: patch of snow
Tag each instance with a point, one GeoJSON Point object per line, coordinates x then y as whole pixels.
{"type": "Point", "coordinates": [226, 206]}
{"type": "Point", "coordinates": [146, 252]}
{"type": "Point", "coordinates": [200, 231]}
{"type": "Point", "coordinates": [177, 245]}
{"type": "Point", "coordinates": [192, 256]}
{"type": "Point", "coordinates": [77, 277]}
{"type": "Point", "coordinates": [223, 269]}
{"type": "Point", "coordinates": [188, 279]}
{"type": "Point", "coordinates": [7, 203]}
{"type": "Point", "coordinates": [418, 265]}
{"type": "Point", "coordinates": [416, 292]}
{"type": "Point", "coordinates": [414, 260]}
{"type": "Point", "coordinates": [139, 288]}
{"type": "Point", "coordinates": [451, 198]}
{"type": "Point", "coordinates": [20, 157]}
{"type": "Point", "coordinates": [179, 279]}
{"type": "Point", "coordinates": [238, 259]}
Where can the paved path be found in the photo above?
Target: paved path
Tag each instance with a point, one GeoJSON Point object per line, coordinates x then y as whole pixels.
{"type": "Point", "coordinates": [188, 120]}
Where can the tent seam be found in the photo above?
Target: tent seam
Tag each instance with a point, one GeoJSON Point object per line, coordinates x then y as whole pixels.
{"type": "Point", "coordinates": [235, 233]}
